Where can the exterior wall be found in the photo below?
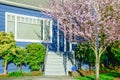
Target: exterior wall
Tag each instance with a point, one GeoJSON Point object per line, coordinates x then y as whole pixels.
{"type": "Point", "coordinates": [1, 66]}
{"type": "Point", "coordinates": [57, 43]}
{"type": "Point", "coordinates": [17, 10]}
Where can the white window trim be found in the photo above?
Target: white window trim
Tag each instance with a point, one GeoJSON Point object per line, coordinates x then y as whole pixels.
{"type": "Point", "coordinates": [27, 40]}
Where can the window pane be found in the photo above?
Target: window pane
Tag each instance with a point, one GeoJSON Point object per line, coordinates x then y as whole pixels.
{"type": "Point", "coordinates": [10, 18]}
{"type": "Point", "coordinates": [47, 30]}
{"type": "Point", "coordinates": [28, 31]}
{"type": "Point", "coordinates": [11, 24]}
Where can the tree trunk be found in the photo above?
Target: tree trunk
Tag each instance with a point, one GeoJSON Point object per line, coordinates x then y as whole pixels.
{"type": "Point", "coordinates": [5, 67]}
{"type": "Point", "coordinates": [97, 67]}
{"type": "Point", "coordinates": [90, 66]}
{"type": "Point", "coordinates": [19, 68]}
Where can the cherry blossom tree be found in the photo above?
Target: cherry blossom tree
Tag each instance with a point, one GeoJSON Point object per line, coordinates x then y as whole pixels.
{"type": "Point", "coordinates": [97, 21]}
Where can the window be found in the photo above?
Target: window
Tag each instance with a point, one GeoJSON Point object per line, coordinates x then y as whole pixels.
{"type": "Point", "coordinates": [28, 28]}
{"type": "Point", "coordinates": [47, 30]}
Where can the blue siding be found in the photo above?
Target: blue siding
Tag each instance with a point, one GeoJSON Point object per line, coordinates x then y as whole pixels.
{"type": "Point", "coordinates": [25, 68]}
{"type": "Point", "coordinates": [61, 41]}
{"type": "Point", "coordinates": [51, 46]}
{"type": "Point", "coordinates": [1, 66]}
{"type": "Point", "coordinates": [17, 10]}
{"type": "Point", "coordinates": [11, 67]}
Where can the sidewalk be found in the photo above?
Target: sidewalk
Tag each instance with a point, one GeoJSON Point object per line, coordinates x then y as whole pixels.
{"type": "Point", "coordinates": [42, 78]}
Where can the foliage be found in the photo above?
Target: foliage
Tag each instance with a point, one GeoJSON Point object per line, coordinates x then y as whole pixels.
{"type": "Point", "coordinates": [19, 57]}
{"type": "Point", "coordinates": [115, 49]}
{"type": "Point", "coordinates": [90, 19]}
{"type": "Point", "coordinates": [104, 70]}
{"type": "Point", "coordinates": [35, 57]}
{"type": "Point", "coordinates": [84, 53]}
{"type": "Point", "coordinates": [16, 74]}
{"type": "Point", "coordinates": [7, 44]}
{"type": "Point", "coordinates": [113, 53]}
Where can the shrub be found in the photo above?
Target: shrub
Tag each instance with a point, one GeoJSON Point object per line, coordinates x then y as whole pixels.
{"type": "Point", "coordinates": [104, 70]}
{"type": "Point", "coordinates": [36, 54]}
{"type": "Point", "coordinates": [113, 52]}
{"type": "Point", "coordinates": [84, 53]}
{"type": "Point", "coordinates": [16, 74]}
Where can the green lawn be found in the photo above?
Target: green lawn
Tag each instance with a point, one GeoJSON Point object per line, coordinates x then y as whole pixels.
{"type": "Point", "coordinates": [106, 76]}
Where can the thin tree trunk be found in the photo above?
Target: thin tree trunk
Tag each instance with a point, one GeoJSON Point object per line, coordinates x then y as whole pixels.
{"type": "Point", "coordinates": [5, 67]}
{"type": "Point", "coordinates": [97, 68]}
{"type": "Point", "coordinates": [19, 68]}
{"type": "Point", "coordinates": [90, 66]}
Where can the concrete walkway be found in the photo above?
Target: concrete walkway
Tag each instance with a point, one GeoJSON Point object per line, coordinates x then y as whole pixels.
{"type": "Point", "coordinates": [42, 78]}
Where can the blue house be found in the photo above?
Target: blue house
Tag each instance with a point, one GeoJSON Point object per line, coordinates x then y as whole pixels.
{"type": "Point", "coordinates": [28, 22]}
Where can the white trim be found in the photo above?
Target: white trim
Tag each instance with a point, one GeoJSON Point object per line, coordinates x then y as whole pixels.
{"type": "Point", "coordinates": [15, 14]}
{"type": "Point", "coordinates": [64, 40]}
{"type": "Point", "coordinates": [26, 16]}
{"type": "Point", "coordinates": [70, 46]}
{"type": "Point", "coordinates": [43, 29]}
{"type": "Point", "coordinates": [5, 22]}
{"type": "Point", "coordinates": [26, 40]}
{"type": "Point", "coordinates": [73, 42]}
{"type": "Point", "coordinates": [70, 37]}
{"type": "Point", "coordinates": [51, 31]}
{"type": "Point", "coordinates": [15, 28]}
{"type": "Point", "coordinates": [58, 36]}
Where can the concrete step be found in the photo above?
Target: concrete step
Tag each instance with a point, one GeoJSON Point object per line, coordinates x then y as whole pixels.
{"type": "Point", "coordinates": [54, 69]}
{"type": "Point", "coordinates": [54, 74]}
{"type": "Point", "coordinates": [54, 60]}
{"type": "Point", "coordinates": [54, 65]}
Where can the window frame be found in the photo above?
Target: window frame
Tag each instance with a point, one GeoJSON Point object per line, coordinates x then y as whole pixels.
{"type": "Point", "coordinates": [32, 17]}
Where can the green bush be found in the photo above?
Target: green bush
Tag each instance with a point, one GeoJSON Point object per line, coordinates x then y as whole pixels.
{"type": "Point", "coordinates": [36, 55]}
{"type": "Point", "coordinates": [113, 52]}
{"type": "Point", "coordinates": [16, 74]}
{"type": "Point", "coordinates": [85, 53]}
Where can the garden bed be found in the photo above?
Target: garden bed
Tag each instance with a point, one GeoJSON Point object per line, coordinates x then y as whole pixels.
{"type": "Point", "coordinates": [21, 74]}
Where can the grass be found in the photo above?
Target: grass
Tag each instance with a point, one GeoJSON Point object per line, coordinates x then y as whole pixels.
{"type": "Point", "coordinates": [106, 76]}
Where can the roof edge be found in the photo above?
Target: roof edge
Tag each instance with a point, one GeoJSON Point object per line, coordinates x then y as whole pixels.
{"type": "Point", "coordinates": [22, 5]}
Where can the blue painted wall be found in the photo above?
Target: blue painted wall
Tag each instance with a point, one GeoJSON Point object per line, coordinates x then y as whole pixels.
{"type": "Point", "coordinates": [1, 66]}
{"type": "Point", "coordinates": [17, 10]}
{"type": "Point", "coordinates": [52, 46]}
{"type": "Point", "coordinates": [6, 8]}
